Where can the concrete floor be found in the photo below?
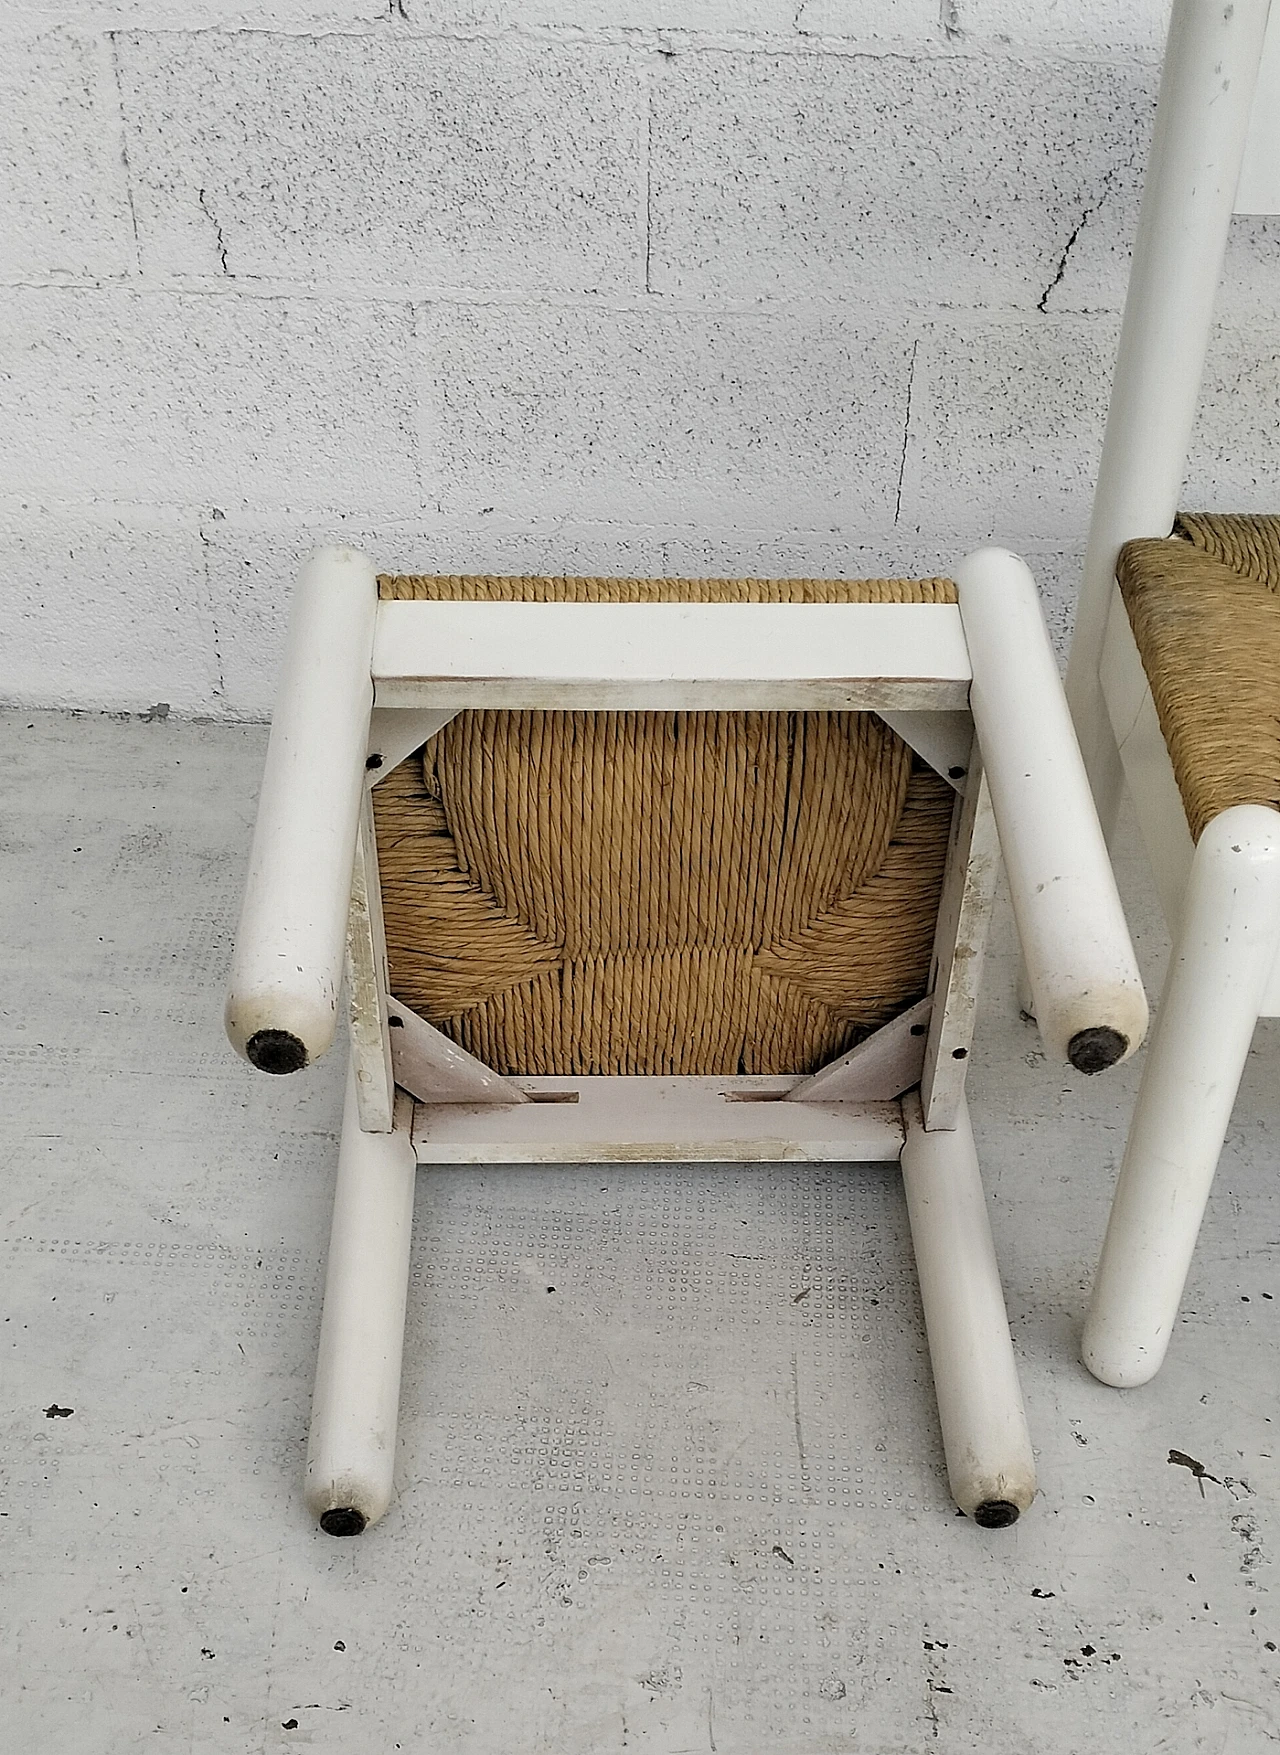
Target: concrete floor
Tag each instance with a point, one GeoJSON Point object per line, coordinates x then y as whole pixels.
{"type": "Point", "coordinates": [692, 1500]}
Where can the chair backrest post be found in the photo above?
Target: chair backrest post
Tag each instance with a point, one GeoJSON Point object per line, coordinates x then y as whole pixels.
{"type": "Point", "coordinates": [1202, 118]}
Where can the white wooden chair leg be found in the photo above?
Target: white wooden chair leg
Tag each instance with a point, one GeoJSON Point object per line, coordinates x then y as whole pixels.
{"type": "Point", "coordinates": [282, 994]}
{"type": "Point", "coordinates": [351, 1453]}
{"type": "Point", "coordinates": [1221, 962]}
{"type": "Point", "coordinates": [1089, 1002]}
{"type": "Point", "coordinates": [990, 1464]}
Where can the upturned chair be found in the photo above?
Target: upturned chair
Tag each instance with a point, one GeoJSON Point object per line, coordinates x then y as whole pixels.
{"type": "Point", "coordinates": [1175, 673]}
{"type": "Point", "coordinates": [658, 870]}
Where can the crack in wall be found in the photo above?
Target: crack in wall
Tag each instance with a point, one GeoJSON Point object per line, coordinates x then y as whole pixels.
{"type": "Point", "coordinates": [124, 150]}
{"type": "Point", "coordinates": [1042, 303]}
{"type": "Point", "coordinates": [906, 433]}
{"type": "Point", "coordinates": [217, 230]}
{"type": "Point", "coordinates": [220, 688]}
{"type": "Point", "coordinates": [648, 192]}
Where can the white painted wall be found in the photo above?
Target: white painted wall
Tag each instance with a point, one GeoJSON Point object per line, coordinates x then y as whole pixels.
{"type": "Point", "coordinates": [646, 286]}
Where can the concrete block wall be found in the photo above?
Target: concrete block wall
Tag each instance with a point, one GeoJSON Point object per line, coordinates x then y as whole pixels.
{"type": "Point", "coordinates": [824, 286]}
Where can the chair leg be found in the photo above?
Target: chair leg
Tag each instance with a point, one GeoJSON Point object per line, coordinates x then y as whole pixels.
{"type": "Point", "coordinates": [351, 1453]}
{"type": "Point", "coordinates": [990, 1464]}
{"type": "Point", "coordinates": [1217, 977]}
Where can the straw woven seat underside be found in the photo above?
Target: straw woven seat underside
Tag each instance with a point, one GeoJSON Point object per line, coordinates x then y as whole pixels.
{"type": "Point", "coordinates": [661, 893]}
{"type": "Point", "coordinates": [1205, 613]}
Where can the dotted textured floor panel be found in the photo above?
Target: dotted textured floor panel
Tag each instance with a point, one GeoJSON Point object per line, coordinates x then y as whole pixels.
{"type": "Point", "coordinates": [690, 1503]}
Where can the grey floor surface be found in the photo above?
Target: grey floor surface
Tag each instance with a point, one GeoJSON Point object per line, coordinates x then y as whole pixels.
{"type": "Point", "coordinates": [670, 1477]}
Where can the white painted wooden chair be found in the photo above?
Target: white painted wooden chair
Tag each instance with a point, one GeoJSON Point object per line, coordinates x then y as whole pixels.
{"type": "Point", "coordinates": [967, 681]}
{"type": "Point", "coordinates": [1174, 678]}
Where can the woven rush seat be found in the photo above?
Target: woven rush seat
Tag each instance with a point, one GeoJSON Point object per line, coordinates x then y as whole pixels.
{"type": "Point", "coordinates": [674, 893]}
{"type": "Point", "coordinates": [1205, 612]}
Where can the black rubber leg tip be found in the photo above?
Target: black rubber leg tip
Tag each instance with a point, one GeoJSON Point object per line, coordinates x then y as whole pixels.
{"type": "Point", "coordinates": [345, 1520]}
{"type": "Point", "coordinates": [1095, 1049]}
{"type": "Point", "coordinates": [996, 1514]}
{"type": "Point", "coordinates": [276, 1051]}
